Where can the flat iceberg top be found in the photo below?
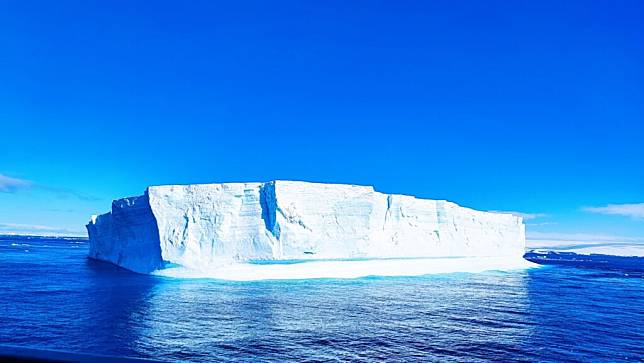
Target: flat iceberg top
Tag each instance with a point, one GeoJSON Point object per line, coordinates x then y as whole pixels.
{"type": "Point", "coordinates": [291, 183]}
{"type": "Point", "coordinates": [203, 227]}
{"type": "Point", "coordinates": [304, 186]}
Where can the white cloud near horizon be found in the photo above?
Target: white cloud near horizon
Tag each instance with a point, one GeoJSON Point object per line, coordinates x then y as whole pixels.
{"type": "Point", "coordinates": [31, 229]}
{"type": "Point", "coordinates": [12, 185]}
{"type": "Point", "coordinates": [580, 237]}
{"type": "Point", "coordinates": [542, 224]}
{"type": "Point", "coordinates": [633, 210]}
{"type": "Point", "coordinates": [525, 216]}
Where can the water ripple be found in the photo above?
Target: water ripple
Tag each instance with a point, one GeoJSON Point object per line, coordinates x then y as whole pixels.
{"type": "Point", "coordinates": [54, 298]}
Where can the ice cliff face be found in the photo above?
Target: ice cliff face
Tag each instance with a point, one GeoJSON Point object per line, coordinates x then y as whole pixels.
{"type": "Point", "coordinates": [204, 226]}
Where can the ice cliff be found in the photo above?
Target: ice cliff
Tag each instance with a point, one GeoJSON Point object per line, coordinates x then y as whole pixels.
{"type": "Point", "coordinates": [203, 227]}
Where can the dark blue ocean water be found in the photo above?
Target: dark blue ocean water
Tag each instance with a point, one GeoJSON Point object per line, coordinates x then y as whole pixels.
{"type": "Point", "coordinates": [53, 297]}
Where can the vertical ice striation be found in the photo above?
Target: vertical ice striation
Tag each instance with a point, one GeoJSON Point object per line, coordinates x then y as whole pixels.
{"type": "Point", "coordinates": [209, 225]}
{"type": "Point", "coordinates": [128, 236]}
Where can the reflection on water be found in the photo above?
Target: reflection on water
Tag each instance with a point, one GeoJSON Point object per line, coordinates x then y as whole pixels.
{"type": "Point", "coordinates": [55, 298]}
{"type": "Point", "coordinates": [437, 316]}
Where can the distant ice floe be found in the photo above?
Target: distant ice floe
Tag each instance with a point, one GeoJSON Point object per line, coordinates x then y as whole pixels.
{"type": "Point", "coordinates": [613, 248]}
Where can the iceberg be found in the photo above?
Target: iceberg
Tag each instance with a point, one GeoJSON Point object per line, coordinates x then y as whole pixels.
{"type": "Point", "coordinates": [291, 229]}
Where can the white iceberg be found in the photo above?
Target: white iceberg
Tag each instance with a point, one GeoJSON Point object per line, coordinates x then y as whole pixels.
{"type": "Point", "coordinates": [231, 230]}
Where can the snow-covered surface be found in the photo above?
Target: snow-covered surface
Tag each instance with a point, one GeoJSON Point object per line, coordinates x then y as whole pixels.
{"type": "Point", "coordinates": [615, 248]}
{"type": "Point", "coordinates": [215, 229]}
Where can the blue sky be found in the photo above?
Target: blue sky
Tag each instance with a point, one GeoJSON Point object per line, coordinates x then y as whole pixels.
{"type": "Point", "coordinates": [534, 107]}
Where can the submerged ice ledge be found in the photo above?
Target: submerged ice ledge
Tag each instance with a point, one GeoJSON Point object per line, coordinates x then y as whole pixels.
{"type": "Point", "coordinates": [343, 269]}
{"type": "Point", "coordinates": [215, 230]}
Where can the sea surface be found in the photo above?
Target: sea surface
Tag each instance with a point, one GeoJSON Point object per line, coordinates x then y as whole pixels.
{"type": "Point", "coordinates": [52, 297]}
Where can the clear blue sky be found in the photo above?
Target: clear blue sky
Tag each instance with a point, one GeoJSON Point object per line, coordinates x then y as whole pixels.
{"type": "Point", "coordinates": [528, 106]}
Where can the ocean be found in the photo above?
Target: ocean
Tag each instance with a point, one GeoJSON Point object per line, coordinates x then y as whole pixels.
{"type": "Point", "coordinates": [572, 309]}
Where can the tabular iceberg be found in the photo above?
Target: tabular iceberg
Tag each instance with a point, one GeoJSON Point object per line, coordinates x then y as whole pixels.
{"type": "Point", "coordinates": [224, 230]}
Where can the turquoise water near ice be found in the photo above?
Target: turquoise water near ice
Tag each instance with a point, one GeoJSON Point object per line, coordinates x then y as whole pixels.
{"type": "Point", "coordinates": [53, 297]}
